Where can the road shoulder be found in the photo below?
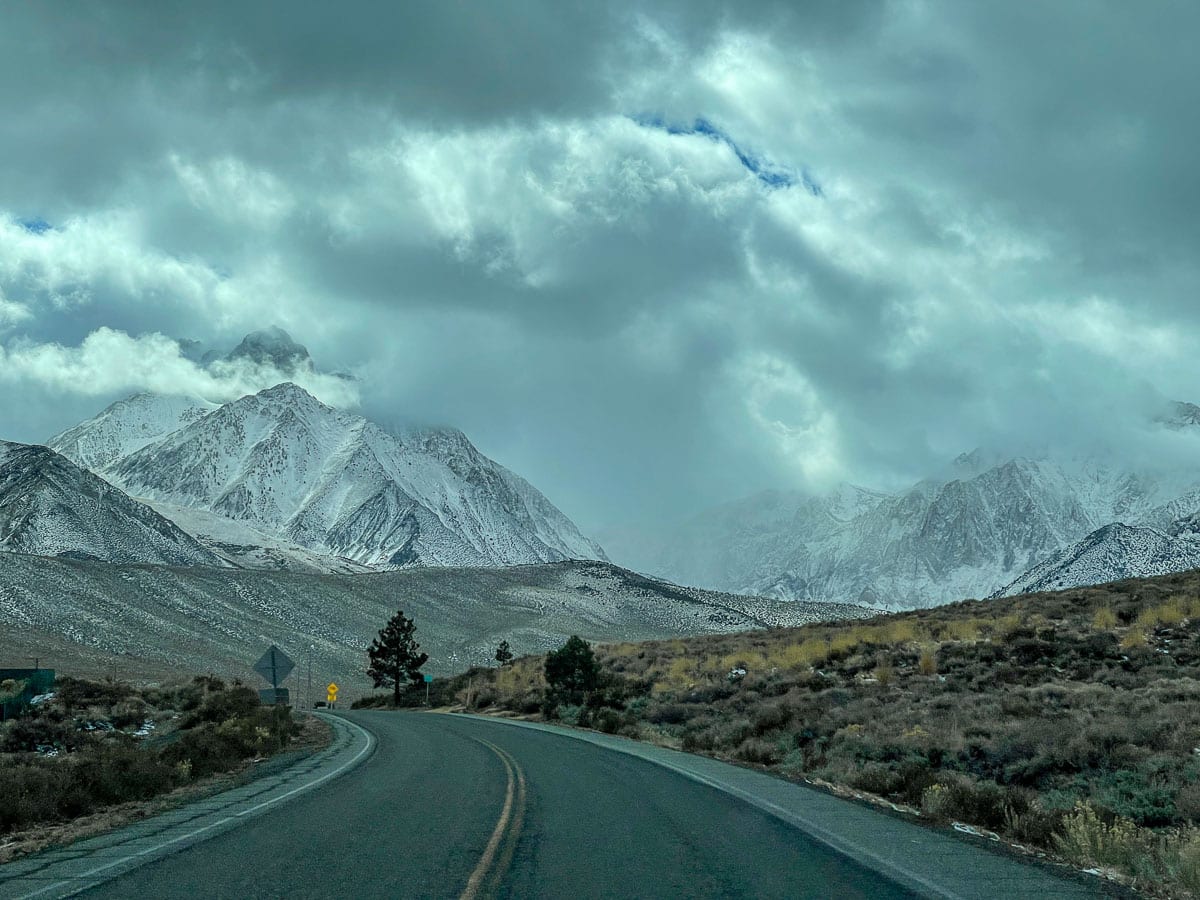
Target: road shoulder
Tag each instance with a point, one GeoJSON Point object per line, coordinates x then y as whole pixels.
{"type": "Point", "coordinates": [68, 870]}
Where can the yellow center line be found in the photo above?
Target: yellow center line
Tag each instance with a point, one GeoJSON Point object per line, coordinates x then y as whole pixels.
{"type": "Point", "coordinates": [514, 830]}
{"type": "Point", "coordinates": [514, 796]}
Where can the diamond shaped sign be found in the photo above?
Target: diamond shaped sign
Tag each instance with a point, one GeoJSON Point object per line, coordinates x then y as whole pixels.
{"type": "Point", "coordinates": [274, 666]}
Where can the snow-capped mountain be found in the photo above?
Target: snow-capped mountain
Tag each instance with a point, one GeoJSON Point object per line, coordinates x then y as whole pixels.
{"type": "Point", "coordinates": [286, 465]}
{"type": "Point", "coordinates": [978, 527]}
{"type": "Point", "coordinates": [127, 426]}
{"type": "Point", "coordinates": [51, 507]}
{"type": "Point", "coordinates": [1108, 554]}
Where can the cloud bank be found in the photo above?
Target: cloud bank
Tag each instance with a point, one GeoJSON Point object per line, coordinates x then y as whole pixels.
{"type": "Point", "coordinates": [650, 259]}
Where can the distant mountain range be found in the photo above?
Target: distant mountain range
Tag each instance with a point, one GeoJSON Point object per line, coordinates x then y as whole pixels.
{"type": "Point", "coordinates": [278, 480]}
{"type": "Point", "coordinates": [987, 526]}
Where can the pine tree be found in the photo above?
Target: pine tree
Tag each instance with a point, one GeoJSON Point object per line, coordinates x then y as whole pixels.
{"type": "Point", "coordinates": [572, 670]}
{"type": "Point", "coordinates": [504, 654]}
{"type": "Point", "coordinates": [396, 657]}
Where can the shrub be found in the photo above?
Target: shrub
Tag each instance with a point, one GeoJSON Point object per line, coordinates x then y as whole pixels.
{"type": "Point", "coordinates": [30, 793]}
{"type": "Point", "coordinates": [1087, 839]}
{"type": "Point", "coordinates": [668, 714]}
{"type": "Point", "coordinates": [958, 798]}
{"type": "Point", "coordinates": [927, 662]}
{"type": "Point", "coordinates": [1134, 639]}
{"type": "Point", "coordinates": [1130, 795]}
{"type": "Point", "coordinates": [1104, 619]}
{"type": "Point", "coordinates": [757, 750]}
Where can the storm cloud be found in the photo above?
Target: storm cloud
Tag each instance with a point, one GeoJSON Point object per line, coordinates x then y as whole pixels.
{"type": "Point", "coordinates": [650, 256]}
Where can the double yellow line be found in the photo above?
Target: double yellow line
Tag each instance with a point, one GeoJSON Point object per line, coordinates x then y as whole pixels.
{"type": "Point", "coordinates": [498, 854]}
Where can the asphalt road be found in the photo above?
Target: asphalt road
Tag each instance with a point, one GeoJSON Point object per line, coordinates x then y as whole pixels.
{"type": "Point", "coordinates": [456, 807]}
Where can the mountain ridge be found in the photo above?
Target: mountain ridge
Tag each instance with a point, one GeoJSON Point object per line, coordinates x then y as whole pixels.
{"type": "Point", "coordinates": [49, 506]}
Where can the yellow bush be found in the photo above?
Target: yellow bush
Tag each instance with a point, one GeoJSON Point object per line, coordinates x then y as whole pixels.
{"type": "Point", "coordinates": [884, 674]}
{"type": "Point", "coordinates": [961, 630]}
{"type": "Point", "coordinates": [622, 650]}
{"type": "Point", "coordinates": [681, 670]}
{"type": "Point", "coordinates": [521, 676]}
{"type": "Point", "coordinates": [902, 631]}
{"type": "Point", "coordinates": [1136, 637]}
{"type": "Point", "coordinates": [927, 664]}
{"type": "Point", "coordinates": [842, 644]}
{"type": "Point", "coordinates": [1173, 611]}
{"type": "Point", "coordinates": [1085, 838]}
{"type": "Point", "coordinates": [1105, 619]}
{"type": "Point", "coordinates": [795, 656]}
{"type": "Point", "coordinates": [750, 660]}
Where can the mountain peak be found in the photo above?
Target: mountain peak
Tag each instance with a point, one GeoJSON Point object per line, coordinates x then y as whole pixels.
{"type": "Point", "coordinates": [286, 390]}
{"type": "Point", "coordinates": [1181, 414]}
{"type": "Point", "coordinates": [272, 346]}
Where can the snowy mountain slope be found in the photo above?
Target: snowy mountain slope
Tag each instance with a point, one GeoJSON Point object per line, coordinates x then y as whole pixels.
{"type": "Point", "coordinates": [979, 526]}
{"type": "Point", "coordinates": [203, 619]}
{"type": "Point", "coordinates": [52, 507]}
{"type": "Point", "coordinates": [126, 427]}
{"type": "Point", "coordinates": [1108, 554]}
{"type": "Point", "coordinates": [287, 465]}
{"type": "Point", "coordinates": [248, 548]}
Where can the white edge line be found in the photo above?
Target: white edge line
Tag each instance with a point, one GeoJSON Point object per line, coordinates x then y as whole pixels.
{"type": "Point", "coordinates": [76, 880]}
{"type": "Point", "coordinates": [836, 843]}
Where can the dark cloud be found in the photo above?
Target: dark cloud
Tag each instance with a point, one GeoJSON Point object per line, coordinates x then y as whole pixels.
{"type": "Point", "coordinates": [650, 257]}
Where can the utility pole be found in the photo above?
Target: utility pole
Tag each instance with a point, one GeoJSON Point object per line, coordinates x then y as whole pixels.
{"type": "Point", "coordinates": [308, 691]}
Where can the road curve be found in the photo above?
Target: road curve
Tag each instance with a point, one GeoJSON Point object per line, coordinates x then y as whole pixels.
{"type": "Point", "coordinates": [459, 807]}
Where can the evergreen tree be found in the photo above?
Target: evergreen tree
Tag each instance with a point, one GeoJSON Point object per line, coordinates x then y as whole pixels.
{"type": "Point", "coordinates": [504, 654]}
{"type": "Point", "coordinates": [396, 657]}
{"type": "Point", "coordinates": [572, 670]}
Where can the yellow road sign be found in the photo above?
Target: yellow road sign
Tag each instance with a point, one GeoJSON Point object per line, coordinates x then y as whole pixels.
{"type": "Point", "coordinates": [331, 693]}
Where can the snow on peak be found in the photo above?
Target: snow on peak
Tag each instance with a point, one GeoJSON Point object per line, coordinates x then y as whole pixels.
{"type": "Point", "coordinates": [287, 465]}
{"type": "Point", "coordinates": [127, 426]}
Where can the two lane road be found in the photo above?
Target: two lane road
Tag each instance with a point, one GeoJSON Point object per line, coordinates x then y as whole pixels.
{"type": "Point", "coordinates": [457, 807]}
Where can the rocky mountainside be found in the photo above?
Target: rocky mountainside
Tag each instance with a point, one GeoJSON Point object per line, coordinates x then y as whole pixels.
{"type": "Point", "coordinates": [126, 427]}
{"type": "Point", "coordinates": [52, 507]}
{"type": "Point", "coordinates": [973, 530]}
{"type": "Point", "coordinates": [283, 464]}
{"type": "Point", "coordinates": [201, 619]}
{"type": "Point", "coordinates": [1111, 553]}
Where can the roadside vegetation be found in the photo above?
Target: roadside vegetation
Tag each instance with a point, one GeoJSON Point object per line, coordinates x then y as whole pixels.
{"type": "Point", "coordinates": [94, 744]}
{"type": "Point", "coordinates": [1068, 723]}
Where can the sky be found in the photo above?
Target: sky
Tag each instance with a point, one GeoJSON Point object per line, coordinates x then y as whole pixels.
{"type": "Point", "coordinates": [650, 256]}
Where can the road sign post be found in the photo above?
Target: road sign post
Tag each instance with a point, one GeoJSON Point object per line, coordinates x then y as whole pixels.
{"type": "Point", "coordinates": [428, 678]}
{"type": "Point", "coordinates": [274, 666]}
